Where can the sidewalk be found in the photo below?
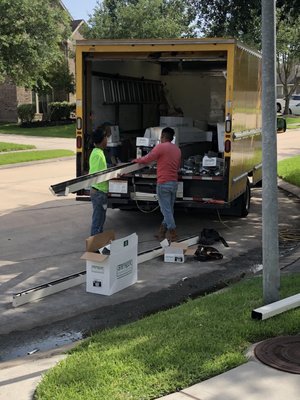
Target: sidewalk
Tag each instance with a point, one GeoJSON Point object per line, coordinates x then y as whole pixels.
{"type": "Point", "coordinates": [253, 380]}
{"type": "Point", "coordinates": [250, 381]}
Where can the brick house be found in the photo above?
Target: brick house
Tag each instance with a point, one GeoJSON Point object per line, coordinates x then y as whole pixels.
{"type": "Point", "coordinates": [11, 95]}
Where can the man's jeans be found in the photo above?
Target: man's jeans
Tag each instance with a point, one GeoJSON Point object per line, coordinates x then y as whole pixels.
{"type": "Point", "coordinates": [99, 201]}
{"type": "Point", "coordinates": [166, 194]}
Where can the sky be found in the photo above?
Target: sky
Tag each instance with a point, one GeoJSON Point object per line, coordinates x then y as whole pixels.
{"type": "Point", "coordinates": [80, 9]}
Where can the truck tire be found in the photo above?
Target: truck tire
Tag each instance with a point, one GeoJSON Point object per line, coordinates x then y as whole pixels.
{"type": "Point", "coordinates": [243, 202]}
{"type": "Point", "coordinates": [240, 207]}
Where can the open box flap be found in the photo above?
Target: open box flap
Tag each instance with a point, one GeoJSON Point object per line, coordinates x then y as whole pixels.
{"type": "Point", "coordinates": [93, 243]}
{"type": "Point", "coordinates": [97, 257]}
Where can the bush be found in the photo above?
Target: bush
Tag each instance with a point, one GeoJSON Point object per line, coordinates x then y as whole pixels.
{"type": "Point", "coordinates": [72, 107]}
{"type": "Point", "coordinates": [26, 112]}
{"type": "Point", "coordinates": [72, 110]}
{"type": "Point", "coordinates": [60, 110]}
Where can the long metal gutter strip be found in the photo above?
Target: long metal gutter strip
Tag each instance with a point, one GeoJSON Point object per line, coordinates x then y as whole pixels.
{"type": "Point", "coordinates": [69, 281]}
{"type": "Point", "coordinates": [85, 181]}
{"type": "Point", "coordinates": [277, 307]}
{"type": "Point", "coordinates": [46, 289]}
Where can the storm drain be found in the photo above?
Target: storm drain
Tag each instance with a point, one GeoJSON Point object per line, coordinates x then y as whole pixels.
{"type": "Point", "coordinates": [282, 353]}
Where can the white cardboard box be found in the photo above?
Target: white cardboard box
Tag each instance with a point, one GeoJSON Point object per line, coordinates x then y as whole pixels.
{"type": "Point", "coordinates": [109, 274]}
{"type": "Point", "coordinates": [179, 193]}
{"type": "Point", "coordinates": [174, 254]}
{"type": "Point", "coordinates": [113, 134]}
{"type": "Point", "coordinates": [145, 141]}
{"type": "Point", "coordinates": [212, 162]}
{"type": "Point", "coordinates": [221, 136]}
{"type": "Point", "coordinates": [154, 132]}
{"type": "Point", "coordinates": [117, 186]}
{"type": "Point", "coordinates": [175, 121]}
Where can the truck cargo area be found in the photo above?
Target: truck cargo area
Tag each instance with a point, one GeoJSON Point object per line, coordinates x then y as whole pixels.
{"type": "Point", "coordinates": [199, 87]}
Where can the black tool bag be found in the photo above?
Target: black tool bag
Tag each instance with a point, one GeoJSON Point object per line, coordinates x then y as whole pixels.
{"type": "Point", "coordinates": [207, 253]}
{"type": "Point", "coordinates": [210, 236]}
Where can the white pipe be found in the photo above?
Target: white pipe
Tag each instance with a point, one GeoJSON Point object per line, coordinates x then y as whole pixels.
{"type": "Point", "coordinates": [277, 307]}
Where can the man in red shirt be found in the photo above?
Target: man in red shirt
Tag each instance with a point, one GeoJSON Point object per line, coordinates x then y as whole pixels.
{"type": "Point", "coordinates": [168, 157]}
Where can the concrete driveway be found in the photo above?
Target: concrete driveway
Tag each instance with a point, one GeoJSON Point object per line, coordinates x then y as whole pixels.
{"type": "Point", "coordinates": [42, 238]}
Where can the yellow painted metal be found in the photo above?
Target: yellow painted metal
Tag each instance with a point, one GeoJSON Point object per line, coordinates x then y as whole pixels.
{"type": "Point", "coordinates": [79, 94]}
{"type": "Point", "coordinates": [246, 150]}
{"type": "Point", "coordinates": [243, 92]}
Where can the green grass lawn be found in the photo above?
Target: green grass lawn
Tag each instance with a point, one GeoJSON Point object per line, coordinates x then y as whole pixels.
{"type": "Point", "coordinates": [14, 158]}
{"type": "Point", "coordinates": [63, 131]}
{"type": "Point", "coordinates": [289, 170]}
{"type": "Point", "coordinates": [170, 350]}
{"type": "Point", "coordinates": [4, 147]}
{"type": "Point", "coordinates": [292, 122]}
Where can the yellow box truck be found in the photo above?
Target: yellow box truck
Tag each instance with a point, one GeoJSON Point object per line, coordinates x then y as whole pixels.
{"type": "Point", "coordinates": [208, 90]}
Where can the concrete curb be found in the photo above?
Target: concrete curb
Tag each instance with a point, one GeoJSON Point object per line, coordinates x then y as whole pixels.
{"type": "Point", "coordinates": [288, 187]}
{"type": "Point", "coordinates": [29, 163]}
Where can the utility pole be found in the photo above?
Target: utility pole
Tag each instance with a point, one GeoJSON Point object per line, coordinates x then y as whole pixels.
{"type": "Point", "coordinates": [271, 272]}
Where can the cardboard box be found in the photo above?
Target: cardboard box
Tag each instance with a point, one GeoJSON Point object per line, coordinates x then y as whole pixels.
{"type": "Point", "coordinates": [117, 186]}
{"type": "Point", "coordinates": [179, 193]}
{"type": "Point", "coordinates": [175, 121]}
{"type": "Point", "coordinates": [174, 252]}
{"type": "Point", "coordinates": [113, 134]}
{"type": "Point", "coordinates": [221, 136]}
{"type": "Point", "coordinates": [108, 274]}
{"type": "Point", "coordinates": [154, 133]}
{"type": "Point", "coordinates": [212, 162]}
{"type": "Point", "coordinates": [145, 141]}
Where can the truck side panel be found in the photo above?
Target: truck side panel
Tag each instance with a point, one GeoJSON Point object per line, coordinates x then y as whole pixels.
{"type": "Point", "coordinates": [246, 149]}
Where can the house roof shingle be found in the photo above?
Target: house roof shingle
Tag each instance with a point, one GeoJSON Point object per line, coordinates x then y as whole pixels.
{"type": "Point", "coordinates": [75, 24]}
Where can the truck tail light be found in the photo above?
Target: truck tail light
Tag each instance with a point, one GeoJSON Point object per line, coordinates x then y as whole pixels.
{"type": "Point", "coordinates": [228, 123]}
{"type": "Point", "coordinates": [227, 146]}
{"type": "Point", "coordinates": [79, 142]}
{"type": "Point", "coordinates": [79, 123]}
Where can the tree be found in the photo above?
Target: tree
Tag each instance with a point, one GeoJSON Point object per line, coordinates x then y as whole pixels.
{"type": "Point", "coordinates": [288, 56]}
{"type": "Point", "coordinates": [57, 78]}
{"type": "Point", "coordinates": [31, 34]}
{"type": "Point", "coordinates": [228, 18]}
{"type": "Point", "coordinates": [140, 19]}
{"type": "Point", "coordinates": [288, 8]}
{"type": "Point", "coordinates": [240, 19]}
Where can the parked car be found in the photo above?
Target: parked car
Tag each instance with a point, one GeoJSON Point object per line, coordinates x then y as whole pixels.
{"type": "Point", "coordinates": [294, 106]}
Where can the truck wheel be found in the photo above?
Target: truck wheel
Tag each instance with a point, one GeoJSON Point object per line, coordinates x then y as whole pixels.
{"type": "Point", "coordinates": [243, 202]}
{"type": "Point", "coordinates": [278, 107]}
{"type": "Point", "coordinates": [240, 206]}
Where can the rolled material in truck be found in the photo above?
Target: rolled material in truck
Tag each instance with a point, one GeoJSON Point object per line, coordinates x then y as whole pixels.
{"type": "Point", "coordinates": [84, 181]}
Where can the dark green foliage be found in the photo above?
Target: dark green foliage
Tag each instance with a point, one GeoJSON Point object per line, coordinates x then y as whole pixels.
{"type": "Point", "coordinates": [31, 34]}
{"type": "Point", "coordinates": [231, 18]}
{"type": "Point", "coordinates": [59, 111]}
{"type": "Point", "coordinates": [26, 112]}
{"type": "Point", "coordinates": [141, 19]}
{"type": "Point", "coordinates": [56, 78]}
{"type": "Point", "coordinates": [238, 18]}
